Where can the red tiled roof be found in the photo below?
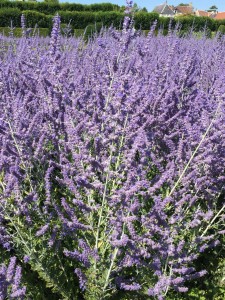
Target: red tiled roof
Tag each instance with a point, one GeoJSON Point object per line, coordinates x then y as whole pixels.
{"type": "Point", "coordinates": [185, 10]}
{"type": "Point", "coordinates": [203, 13]}
{"type": "Point", "coordinates": [220, 16]}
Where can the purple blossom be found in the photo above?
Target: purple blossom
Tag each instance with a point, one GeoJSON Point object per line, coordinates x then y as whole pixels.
{"type": "Point", "coordinates": [23, 24]}
{"type": "Point", "coordinates": [11, 277]}
{"type": "Point", "coordinates": [11, 269]}
{"type": "Point", "coordinates": [42, 230]}
{"type": "Point", "coordinates": [26, 259]}
{"type": "Point", "coordinates": [112, 152]}
{"type": "Point", "coordinates": [82, 278]}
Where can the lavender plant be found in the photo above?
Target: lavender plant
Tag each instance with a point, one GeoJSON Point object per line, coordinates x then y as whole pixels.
{"type": "Point", "coordinates": [112, 160]}
{"type": "Point", "coordinates": [10, 278]}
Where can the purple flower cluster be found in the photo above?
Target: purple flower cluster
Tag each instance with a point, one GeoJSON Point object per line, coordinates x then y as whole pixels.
{"type": "Point", "coordinates": [115, 151]}
{"type": "Point", "coordinates": [10, 280]}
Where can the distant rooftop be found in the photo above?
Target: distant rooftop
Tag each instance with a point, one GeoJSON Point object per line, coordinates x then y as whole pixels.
{"type": "Point", "coordinates": [164, 9]}
{"type": "Point", "coordinates": [203, 13]}
{"type": "Point", "coordinates": [220, 16]}
{"type": "Point", "coordinates": [185, 9]}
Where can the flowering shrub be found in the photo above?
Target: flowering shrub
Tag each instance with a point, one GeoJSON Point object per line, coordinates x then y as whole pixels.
{"type": "Point", "coordinates": [111, 160]}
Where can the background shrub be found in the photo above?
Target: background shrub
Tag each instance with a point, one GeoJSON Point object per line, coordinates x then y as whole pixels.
{"type": "Point", "coordinates": [79, 20]}
{"type": "Point", "coordinates": [110, 18]}
{"type": "Point", "coordinates": [8, 14]}
{"type": "Point", "coordinates": [53, 8]}
{"type": "Point", "coordinates": [221, 29]}
{"type": "Point", "coordinates": [34, 17]}
{"type": "Point", "coordinates": [144, 20]}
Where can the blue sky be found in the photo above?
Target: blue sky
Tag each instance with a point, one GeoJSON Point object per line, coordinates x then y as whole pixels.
{"type": "Point", "coordinates": [150, 4]}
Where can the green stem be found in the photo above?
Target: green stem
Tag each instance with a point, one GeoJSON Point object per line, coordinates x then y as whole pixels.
{"type": "Point", "coordinates": [212, 221]}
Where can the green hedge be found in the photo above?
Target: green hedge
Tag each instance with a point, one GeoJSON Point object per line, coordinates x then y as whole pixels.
{"type": "Point", "coordinates": [8, 14]}
{"type": "Point", "coordinates": [197, 23]}
{"type": "Point", "coordinates": [89, 31]}
{"type": "Point", "coordinates": [221, 29]}
{"type": "Point", "coordinates": [144, 20]}
{"type": "Point", "coordinates": [82, 19]}
{"type": "Point", "coordinates": [78, 20]}
{"type": "Point", "coordinates": [110, 18]}
{"type": "Point", "coordinates": [51, 9]}
{"type": "Point", "coordinates": [33, 17]}
{"type": "Point", "coordinates": [221, 22]}
{"type": "Point", "coordinates": [102, 7]}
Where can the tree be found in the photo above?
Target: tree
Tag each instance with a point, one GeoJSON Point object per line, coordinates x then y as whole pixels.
{"type": "Point", "coordinates": [213, 8]}
{"type": "Point", "coordinates": [52, 1]}
{"type": "Point", "coordinates": [144, 9]}
{"type": "Point", "coordinates": [135, 7]}
{"type": "Point", "coordinates": [183, 4]}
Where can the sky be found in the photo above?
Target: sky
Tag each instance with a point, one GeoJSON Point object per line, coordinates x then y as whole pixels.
{"type": "Point", "coordinates": [150, 4]}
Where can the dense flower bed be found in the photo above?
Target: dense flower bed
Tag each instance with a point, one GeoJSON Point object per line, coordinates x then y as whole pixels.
{"type": "Point", "coordinates": [112, 159]}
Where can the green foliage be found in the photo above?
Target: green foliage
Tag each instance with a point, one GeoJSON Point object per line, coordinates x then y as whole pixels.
{"type": "Point", "coordinates": [144, 9]}
{"type": "Point", "coordinates": [51, 1]}
{"type": "Point", "coordinates": [78, 32]}
{"type": "Point", "coordinates": [80, 16]}
{"type": "Point", "coordinates": [196, 23]}
{"type": "Point", "coordinates": [78, 20]}
{"type": "Point", "coordinates": [92, 29]}
{"type": "Point", "coordinates": [101, 7]}
{"type": "Point", "coordinates": [17, 32]}
{"type": "Point", "coordinates": [220, 22]}
{"type": "Point", "coordinates": [34, 17]}
{"type": "Point", "coordinates": [46, 273]}
{"type": "Point", "coordinates": [135, 8]}
{"type": "Point", "coordinates": [211, 286]}
{"type": "Point", "coordinates": [221, 29]}
{"type": "Point", "coordinates": [144, 20]}
{"type": "Point", "coordinates": [110, 18]}
{"type": "Point", "coordinates": [71, 7]}
{"type": "Point", "coordinates": [164, 23]}
{"type": "Point", "coordinates": [6, 15]}
{"type": "Point", "coordinates": [47, 269]}
{"type": "Point", "coordinates": [213, 8]}
{"type": "Point", "coordinates": [53, 6]}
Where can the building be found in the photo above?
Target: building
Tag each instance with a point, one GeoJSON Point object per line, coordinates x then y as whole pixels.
{"type": "Point", "coordinates": [203, 13]}
{"type": "Point", "coordinates": [164, 10]}
{"type": "Point", "coordinates": [220, 16]}
{"type": "Point", "coordinates": [184, 9]}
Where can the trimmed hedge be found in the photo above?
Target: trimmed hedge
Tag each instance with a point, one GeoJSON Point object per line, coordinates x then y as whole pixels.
{"type": "Point", "coordinates": [8, 14]}
{"type": "Point", "coordinates": [81, 19]}
{"type": "Point", "coordinates": [197, 23]}
{"type": "Point", "coordinates": [144, 20]}
{"type": "Point", "coordinates": [78, 20]}
{"type": "Point", "coordinates": [102, 7]}
{"type": "Point", "coordinates": [110, 18]}
{"type": "Point", "coordinates": [221, 22]}
{"type": "Point", "coordinates": [51, 9]}
{"type": "Point", "coordinates": [34, 17]}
